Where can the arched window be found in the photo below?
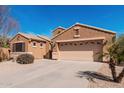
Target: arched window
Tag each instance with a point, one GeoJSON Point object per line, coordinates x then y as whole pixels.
{"type": "Point", "coordinates": [41, 45]}
{"type": "Point", "coordinates": [34, 44]}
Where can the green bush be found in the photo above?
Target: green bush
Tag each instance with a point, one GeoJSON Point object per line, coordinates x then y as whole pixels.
{"type": "Point", "coordinates": [25, 59]}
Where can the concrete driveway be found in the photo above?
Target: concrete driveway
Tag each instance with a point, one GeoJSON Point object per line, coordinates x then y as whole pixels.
{"type": "Point", "coordinates": [45, 74]}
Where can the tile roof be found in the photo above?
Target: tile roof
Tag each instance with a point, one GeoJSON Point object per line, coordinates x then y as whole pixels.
{"type": "Point", "coordinates": [44, 37]}
{"type": "Point", "coordinates": [33, 37]}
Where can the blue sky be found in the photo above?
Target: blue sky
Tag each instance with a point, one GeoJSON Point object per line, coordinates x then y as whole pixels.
{"type": "Point", "coordinates": [43, 19]}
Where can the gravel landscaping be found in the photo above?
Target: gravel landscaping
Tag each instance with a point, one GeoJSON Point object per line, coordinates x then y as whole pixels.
{"type": "Point", "coordinates": [100, 83]}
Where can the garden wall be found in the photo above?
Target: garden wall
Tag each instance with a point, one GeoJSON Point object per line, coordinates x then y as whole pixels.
{"type": "Point", "coordinates": [4, 54]}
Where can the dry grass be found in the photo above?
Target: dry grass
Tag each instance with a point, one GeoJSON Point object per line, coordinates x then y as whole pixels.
{"type": "Point", "coordinates": [98, 83]}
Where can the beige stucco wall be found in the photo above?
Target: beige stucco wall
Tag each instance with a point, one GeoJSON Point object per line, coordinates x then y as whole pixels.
{"type": "Point", "coordinates": [38, 51]}
{"type": "Point", "coordinates": [85, 32]}
{"type": "Point", "coordinates": [48, 48]}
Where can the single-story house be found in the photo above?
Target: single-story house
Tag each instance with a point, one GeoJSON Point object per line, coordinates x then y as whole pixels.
{"type": "Point", "coordinates": [81, 42]}
{"type": "Point", "coordinates": [37, 45]}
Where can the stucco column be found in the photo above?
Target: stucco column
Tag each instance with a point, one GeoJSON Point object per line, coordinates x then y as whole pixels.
{"type": "Point", "coordinates": [58, 52]}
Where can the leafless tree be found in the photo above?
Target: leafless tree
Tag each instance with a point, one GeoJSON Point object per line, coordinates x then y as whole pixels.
{"type": "Point", "coordinates": [8, 25]}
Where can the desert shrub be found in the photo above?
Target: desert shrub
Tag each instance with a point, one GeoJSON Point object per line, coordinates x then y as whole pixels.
{"type": "Point", "coordinates": [25, 59]}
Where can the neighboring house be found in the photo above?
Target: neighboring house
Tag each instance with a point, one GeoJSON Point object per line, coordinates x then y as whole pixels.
{"type": "Point", "coordinates": [81, 42]}
{"type": "Point", "coordinates": [39, 46]}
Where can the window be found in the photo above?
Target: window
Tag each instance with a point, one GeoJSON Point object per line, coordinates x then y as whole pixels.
{"type": "Point", "coordinates": [34, 44]}
{"type": "Point", "coordinates": [81, 43]}
{"type": "Point", "coordinates": [41, 45]}
{"type": "Point", "coordinates": [58, 32]}
{"type": "Point", "coordinates": [98, 43]}
{"type": "Point", "coordinates": [75, 44]}
{"type": "Point", "coordinates": [19, 47]}
{"type": "Point", "coordinates": [92, 42]}
{"type": "Point", "coordinates": [86, 43]}
{"type": "Point", "coordinates": [66, 44]}
{"type": "Point", "coordinates": [76, 31]}
{"type": "Point", "coordinates": [70, 43]}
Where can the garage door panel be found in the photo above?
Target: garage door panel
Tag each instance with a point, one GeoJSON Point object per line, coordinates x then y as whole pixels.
{"type": "Point", "coordinates": [77, 55]}
{"type": "Point", "coordinates": [83, 50]}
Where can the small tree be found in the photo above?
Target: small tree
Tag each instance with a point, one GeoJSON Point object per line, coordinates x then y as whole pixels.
{"type": "Point", "coordinates": [120, 56]}
{"type": "Point", "coordinates": [116, 55]}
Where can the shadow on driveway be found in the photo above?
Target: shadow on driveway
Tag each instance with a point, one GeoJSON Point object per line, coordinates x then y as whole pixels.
{"type": "Point", "coordinates": [91, 75]}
